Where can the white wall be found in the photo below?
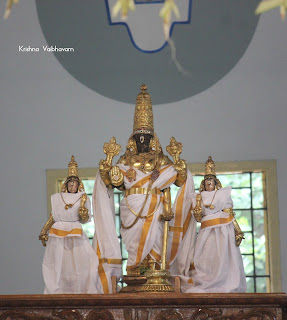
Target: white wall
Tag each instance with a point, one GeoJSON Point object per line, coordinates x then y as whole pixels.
{"type": "Point", "coordinates": [46, 115]}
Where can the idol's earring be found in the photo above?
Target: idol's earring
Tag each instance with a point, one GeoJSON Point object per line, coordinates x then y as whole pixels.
{"type": "Point", "coordinates": [154, 145]}
{"type": "Point", "coordinates": [131, 147]}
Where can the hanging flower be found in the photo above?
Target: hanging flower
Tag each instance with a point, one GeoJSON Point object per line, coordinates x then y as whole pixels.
{"type": "Point", "coordinates": [125, 6]}
{"type": "Point", "coordinates": [267, 5]}
{"type": "Point", "coordinates": [9, 5]}
{"type": "Point", "coordinates": [165, 13]}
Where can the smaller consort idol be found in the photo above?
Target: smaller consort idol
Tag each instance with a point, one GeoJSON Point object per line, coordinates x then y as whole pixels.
{"type": "Point", "coordinates": [217, 263]}
{"type": "Point", "coordinates": [70, 264]}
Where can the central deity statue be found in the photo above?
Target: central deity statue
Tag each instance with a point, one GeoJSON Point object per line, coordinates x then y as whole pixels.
{"type": "Point", "coordinates": [145, 175]}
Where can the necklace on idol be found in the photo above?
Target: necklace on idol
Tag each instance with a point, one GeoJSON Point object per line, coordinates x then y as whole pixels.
{"type": "Point", "coordinates": [210, 206]}
{"type": "Point", "coordinates": [69, 205]}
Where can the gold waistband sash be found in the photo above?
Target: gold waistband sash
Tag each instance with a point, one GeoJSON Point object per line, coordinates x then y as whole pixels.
{"type": "Point", "coordinates": [216, 221]}
{"type": "Point", "coordinates": [64, 233]}
{"type": "Point", "coordinates": [110, 261]}
{"type": "Point", "coordinates": [102, 273]}
{"type": "Point", "coordinates": [141, 191]}
{"type": "Point", "coordinates": [175, 229]}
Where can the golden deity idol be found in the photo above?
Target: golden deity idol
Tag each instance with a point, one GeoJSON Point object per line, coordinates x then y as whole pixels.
{"type": "Point", "coordinates": [144, 174]}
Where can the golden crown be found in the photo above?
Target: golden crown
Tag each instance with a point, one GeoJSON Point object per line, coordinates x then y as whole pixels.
{"type": "Point", "coordinates": [73, 168]}
{"type": "Point", "coordinates": [73, 175]}
{"type": "Point", "coordinates": [210, 171]}
{"type": "Point", "coordinates": [210, 167]}
{"type": "Point", "coordinates": [143, 118]}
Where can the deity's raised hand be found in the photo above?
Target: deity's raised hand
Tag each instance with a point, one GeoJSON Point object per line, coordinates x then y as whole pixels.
{"type": "Point", "coordinates": [111, 149]}
{"type": "Point", "coordinates": [116, 175]}
{"type": "Point", "coordinates": [174, 149]}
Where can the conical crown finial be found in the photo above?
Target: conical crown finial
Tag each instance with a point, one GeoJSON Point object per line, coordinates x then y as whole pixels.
{"type": "Point", "coordinates": [73, 168]}
{"type": "Point", "coordinates": [210, 167]}
{"type": "Point", "coordinates": [143, 117]}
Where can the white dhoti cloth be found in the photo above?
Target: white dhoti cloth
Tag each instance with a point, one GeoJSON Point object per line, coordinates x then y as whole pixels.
{"type": "Point", "coordinates": [70, 263]}
{"type": "Point", "coordinates": [106, 242]}
{"type": "Point", "coordinates": [145, 237]}
{"type": "Point", "coordinates": [182, 233]}
{"type": "Point", "coordinates": [217, 260]}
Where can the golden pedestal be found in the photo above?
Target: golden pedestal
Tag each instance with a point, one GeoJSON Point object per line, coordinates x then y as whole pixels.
{"type": "Point", "coordinates": [157, 281]}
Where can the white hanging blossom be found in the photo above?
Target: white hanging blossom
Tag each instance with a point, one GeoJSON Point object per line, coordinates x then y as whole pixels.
{"type": "Point", "coordinates": [165, 13]}
{"type": "Point", "coordinates": [125, 6]}
{"type": "Point", "coordinates": [9, 5]}
{"type": "Point", "coordinates": [267, 5]}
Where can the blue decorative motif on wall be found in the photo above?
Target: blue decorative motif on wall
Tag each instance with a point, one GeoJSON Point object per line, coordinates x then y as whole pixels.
{"type": "Point", "coordinates": [106, 61]}
{"type": "Point", "coordinates": [153, 12]}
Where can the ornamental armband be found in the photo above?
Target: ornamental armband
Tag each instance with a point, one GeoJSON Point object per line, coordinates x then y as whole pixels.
{"type": "Point", "coordinates": [197, 211]}
{"type": "Point", "coordinates": [239, 235]}
{"type": "Point", "coordinates": [83, 211]}
{"type": "Point", "coordinates": [44, 232]}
